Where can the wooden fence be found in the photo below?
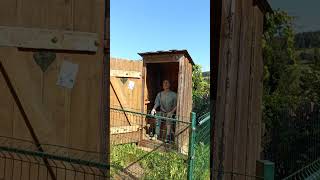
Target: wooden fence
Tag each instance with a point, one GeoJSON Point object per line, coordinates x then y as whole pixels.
{"type": "Point", "coordinates": [125, 93]}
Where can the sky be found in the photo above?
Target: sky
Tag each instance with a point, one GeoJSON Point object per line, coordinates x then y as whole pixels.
{"type": "Point", "coordinates": [151, 25]}
{"type": "Point", "coordinates": [307, 12]}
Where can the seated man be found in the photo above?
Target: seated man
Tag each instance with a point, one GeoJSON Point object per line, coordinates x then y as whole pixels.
{"type": "Point", "coordinates": [167, 101]}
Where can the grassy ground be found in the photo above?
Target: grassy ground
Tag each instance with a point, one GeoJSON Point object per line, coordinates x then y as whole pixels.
{"type": "Point", "coordinates": [158, 165]}
{"type": "Point", "coordinates": [155, 165]}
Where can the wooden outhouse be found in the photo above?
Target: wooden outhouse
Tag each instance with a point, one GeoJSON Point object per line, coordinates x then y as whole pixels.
{"type": "Point", "coordinates": [175, 66]}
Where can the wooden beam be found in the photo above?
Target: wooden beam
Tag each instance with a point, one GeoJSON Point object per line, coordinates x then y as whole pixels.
{"type": "Point", "coordinates": [124, 129]}
{"type": "Point", "coordinates": [123, 73]}
{"type": "Point", "coordinates": [35, 38]}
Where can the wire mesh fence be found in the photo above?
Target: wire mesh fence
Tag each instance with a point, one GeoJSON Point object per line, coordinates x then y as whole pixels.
{"type": "Point", "coordinates": [201, 165]}
{"type": "Point", "coordinates": [292, 139]}
{"type": "Point", "coordinates": [147, 146]}
{"type": "Point", "coordinates": [21, 160]}
{"type": "Point", "coordinates": [309, 172]}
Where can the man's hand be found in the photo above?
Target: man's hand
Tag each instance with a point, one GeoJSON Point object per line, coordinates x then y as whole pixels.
{"type": "Point", "coordinates": [153, 112]}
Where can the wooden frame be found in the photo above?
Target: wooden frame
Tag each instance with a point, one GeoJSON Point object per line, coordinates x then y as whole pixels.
{"type": "Point", "coordinates": [36, 38]}
{"type": "Point", "coordinates": [184, 91]}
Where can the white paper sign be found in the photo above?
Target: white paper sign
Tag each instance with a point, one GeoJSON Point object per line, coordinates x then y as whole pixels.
{"type": "Point", "coordinates": [68, 73]}
{"type": "Point", "coordinates": [131, 85]}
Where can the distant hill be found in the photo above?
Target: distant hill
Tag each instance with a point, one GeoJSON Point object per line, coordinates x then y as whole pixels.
{"type": "Point", "coordinates": [206, 74]}
{"type": "Point", "coordinates": [307, 40]}
{"type": "Point", "coordinates": [306, 43]}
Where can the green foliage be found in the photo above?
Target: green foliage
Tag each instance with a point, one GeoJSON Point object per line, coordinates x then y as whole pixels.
{"type": "Point", "coordinates": [202, 162]}
{"type": "Point", "coordinates": [316, 55]}
{"type": "Point", "coordinates": [200, 92]}
{"type": "Point", "coordinates": [278, 49]}
{"type": "Point", "coordinates": [289, 89]}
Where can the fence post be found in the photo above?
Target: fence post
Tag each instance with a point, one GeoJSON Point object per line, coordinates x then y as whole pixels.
{"type": "Point", "coordinates": [265, 169]}
{"type": "Point", "coordinates": [192, 136]}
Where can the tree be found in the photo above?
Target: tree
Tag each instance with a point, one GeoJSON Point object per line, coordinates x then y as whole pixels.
{"type": "Point", "coordinates": [278, 49]}
{"type": "Point", "coordinates": [201, 92]}
{"type": "Point", "coordinates": [289, 90]}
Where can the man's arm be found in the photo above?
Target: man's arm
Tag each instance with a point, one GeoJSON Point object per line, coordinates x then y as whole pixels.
{"type": "Point", "coordinates": [175, 103]}
{"type": "Point", "coordinates": [157, 102]}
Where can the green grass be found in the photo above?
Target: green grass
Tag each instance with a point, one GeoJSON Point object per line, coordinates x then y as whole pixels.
{"type": "Point", "coordinates": [156, 165]}
{"type": "Point", "coordinates": [162, 165]}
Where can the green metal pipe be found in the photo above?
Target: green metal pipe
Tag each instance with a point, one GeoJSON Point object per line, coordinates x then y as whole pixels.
{"type": "Point", "coordinates": [149, 115]}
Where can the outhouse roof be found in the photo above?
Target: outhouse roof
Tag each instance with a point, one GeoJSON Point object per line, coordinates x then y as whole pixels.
{"type": "Point", "coordinates": [173, 52]}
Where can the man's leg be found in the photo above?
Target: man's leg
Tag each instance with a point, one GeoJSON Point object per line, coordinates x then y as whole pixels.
{"type": "Point", "coordinates": [158, 124]}
{"type": "Point", "coordinates": [169, 124]}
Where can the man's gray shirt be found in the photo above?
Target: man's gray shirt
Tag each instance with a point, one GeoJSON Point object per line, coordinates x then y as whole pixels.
{"type": "Point", "coordinates": [166, 100]}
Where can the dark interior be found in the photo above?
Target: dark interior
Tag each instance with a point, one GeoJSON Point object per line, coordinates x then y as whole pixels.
{"type": "Point", "coordinates": [156, 73]}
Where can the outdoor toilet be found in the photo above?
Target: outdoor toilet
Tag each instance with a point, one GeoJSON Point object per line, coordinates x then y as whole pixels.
{"type": "Point", "coordinates": [175, 66]}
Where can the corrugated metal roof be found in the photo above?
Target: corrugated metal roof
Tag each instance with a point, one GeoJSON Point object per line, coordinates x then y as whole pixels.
{"type": "Point", "coordinates": [172, 51]}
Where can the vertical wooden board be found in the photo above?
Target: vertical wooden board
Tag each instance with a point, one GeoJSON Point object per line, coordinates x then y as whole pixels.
{"type": "Point", "coordinates": [32, 13]}
{"type": "Point", "coordinates": [190, 88]}
{"type": "Point", "coordinates": [19, 129]}
{"type": "Point", "coordinates": [6, 109]}
{"type": "Point", "coordinates": [8, 12]}
{"type": "Point", "coordinates": [232, 76]}
{"type": "Point", "coordinates": [218, 138]}
{"type": "Point", "coordinates": [95, 79]}
{"type": "Point", "coordinates": [26, 89]}
{"type": "Point", "coordinates": [60, 14]}
{"type": "Point", "coordinates": [180, 101]}
{"type": "Point", "coordinates": [83, 14]}
{"type": "Point", "coordinates": [56, 98]}
{"type": "Point", "coordinates": [184, 95]}
{"type": "Point", "coordinates": [258, 80]}
{"type": "Point", "coordinates": [50, 96]}
{"type": "Point", "coordinates": [254, 106]}
{"type": "Point", "coordinates": [260, 85]}
{"type": "Point", "coordinates": [80, 104]}
{"type": "Point", "coordinates": [240, 142]}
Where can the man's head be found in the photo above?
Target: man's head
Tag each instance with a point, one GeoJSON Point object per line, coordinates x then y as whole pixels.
{"type": "Point", "coordinates": [165, 84]}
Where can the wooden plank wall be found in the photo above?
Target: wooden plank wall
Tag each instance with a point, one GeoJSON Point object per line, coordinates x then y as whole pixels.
{"type": "Point", "coordinates": [184, 105]}
{"type": "Point", "coordinates": [71, 116]}
{"type": "Point", "coordinates": [237, 133]}
{"type": "Point", "coordinates": [129, 100]}
{"type": "Point", "coordinates": [65, 107]}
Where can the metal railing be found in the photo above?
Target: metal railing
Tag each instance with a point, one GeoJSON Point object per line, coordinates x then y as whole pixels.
{"type": "Point", "coordinates": [149, 146]}
{"type": "Point", "coordinates": [292, 139]}
{"type": "Point", "coordinates": [21, 160]}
